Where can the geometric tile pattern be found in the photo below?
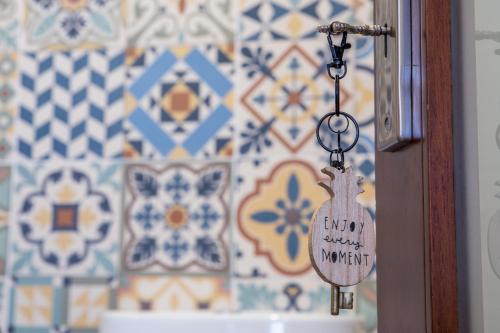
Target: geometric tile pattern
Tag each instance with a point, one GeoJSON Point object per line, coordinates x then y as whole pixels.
{"type": "Point", "coordinates": [271, 295]}
{"type": "Point", "coordinates": [8, 72]}
{"type": "Point", "coordinates": [71, 105]}
{"type": "Point", "coordinates": [155, 293]}
{"type": "Point", "coordinates": [160, 155]}
{"type": "Point", "coordinates": [59, 305]}
{"type": "Point", "coordinates": [66, 220]}
{"type": "Point", "coordinates": [286, 91]}
{"type": "Point", "coordinates": [272, 20]}
{"type": "Point", "coordinates": [10, 11]}
{"type": "Point", "coordinates": [159, 22]}
{"type": "Point", "coordinates": [4, 215]}
{"type": "Point", "coordinates": [61, 24]}
{"type": "Point", "coordinates": [177, 218]}
{"type": "Point", "coordinates": [179, 102]}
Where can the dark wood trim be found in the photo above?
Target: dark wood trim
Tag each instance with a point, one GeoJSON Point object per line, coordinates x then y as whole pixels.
{"type": "Point", "coordinates": [438, 159]}
{"type": "Point", "coordinates": [416, 246]}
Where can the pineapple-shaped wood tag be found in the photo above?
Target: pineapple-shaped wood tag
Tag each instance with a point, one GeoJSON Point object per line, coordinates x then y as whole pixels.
{"type": "Point", "coordinates": [342, 234]}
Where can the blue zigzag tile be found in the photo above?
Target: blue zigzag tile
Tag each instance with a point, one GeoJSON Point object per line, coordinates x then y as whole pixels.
{"type": "Point", "coordinates": [71, 105]}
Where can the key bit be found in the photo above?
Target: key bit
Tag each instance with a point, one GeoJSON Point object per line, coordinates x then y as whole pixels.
{"type": "Point", "coordinates": [340, 300]}
{"type": "Point", "coordinates": [337, 28]}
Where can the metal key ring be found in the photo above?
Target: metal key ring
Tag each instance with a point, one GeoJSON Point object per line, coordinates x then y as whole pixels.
{"type": "Point", "coordinates": [333, 77]}
{"type": "Point", "coordinates": [338, 132]}
{"type": "Point", "coordinates": [340, 149]}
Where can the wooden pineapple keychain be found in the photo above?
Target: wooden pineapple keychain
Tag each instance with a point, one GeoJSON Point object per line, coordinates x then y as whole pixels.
{"type": "Point", "coordinates": [342, 233]}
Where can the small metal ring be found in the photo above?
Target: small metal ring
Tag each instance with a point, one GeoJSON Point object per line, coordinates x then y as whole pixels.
{"type": "Point", "coordinates": [336, 151]}
{"type": "Point", "coordinates": [338, 116]}
{"type": "Point", "coordinates": [333, 77]}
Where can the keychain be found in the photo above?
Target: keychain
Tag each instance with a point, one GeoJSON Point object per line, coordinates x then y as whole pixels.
{"type": "Point", "coordinates": [342, 233]}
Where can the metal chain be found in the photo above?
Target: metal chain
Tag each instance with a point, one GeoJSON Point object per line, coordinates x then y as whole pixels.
{"type": "Point", "coordinates": [338, 65]}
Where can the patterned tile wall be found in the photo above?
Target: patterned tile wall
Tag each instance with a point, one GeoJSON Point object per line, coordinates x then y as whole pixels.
{"type": "Point", "coordinates": [159, 155]}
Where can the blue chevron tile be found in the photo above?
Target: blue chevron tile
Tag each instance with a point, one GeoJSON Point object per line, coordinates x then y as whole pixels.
{"type": "Point", "coordinates": [71, 105]}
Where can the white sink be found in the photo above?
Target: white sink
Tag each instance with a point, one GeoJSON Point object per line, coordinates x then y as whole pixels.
{"type": "Point", "coordinates": [133, 322]}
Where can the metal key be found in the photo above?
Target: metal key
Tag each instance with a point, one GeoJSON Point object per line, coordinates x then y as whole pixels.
{"type": "Point", "coordinates": [337, 28]}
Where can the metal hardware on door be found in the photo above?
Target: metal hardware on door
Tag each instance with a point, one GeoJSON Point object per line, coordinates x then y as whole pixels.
{"type": "Point", "coordinates": [397, 70]}
{"type": "Point", "coordinates": [337, 28]}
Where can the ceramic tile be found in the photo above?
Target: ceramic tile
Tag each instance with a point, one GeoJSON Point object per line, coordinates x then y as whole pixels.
{"type": "Point", "coordinates": [3, 304]}
{"type": "Point", "coordinates": [86, 301]}
{"type": "Point", "coordinates": [177, 218]}
{"type": "Point", "coordinates": [166, 22]}
{"type": "Point", "coordinates": [276, 200]}
{"type": "Point", "coordinates": [10, 13]}
{"type": "Point", "coordinates": [271, 20]}
{"type": "Point", "coordinates": [4, 215]}
{"type": "Point", "coordinates": [180, 102]}
{"type": "Point", "coordinates": [175, 293]}
{"type": "Point", "coordinates": [366, 304]}
{"type": "Point", "coordinates": [48, 305]}
{"type": "Point", "coordinates": [71, 105]}
{"type": "Point", "coordinates": [285, 90]}
{"type": "Point", "coordinates": [8, 77]}
{"type": "Point", "coordinates": [281, 295]}
{"type": "Point", "coordinates": [36, 305]}
{"type": "Point", "coordinates": [62, 24]}
{"type": "Point", "coordinates": [66, 220]}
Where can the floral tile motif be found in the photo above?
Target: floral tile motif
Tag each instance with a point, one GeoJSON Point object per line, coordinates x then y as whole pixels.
{"type": "Point", "coordinates": [8, 75]}
{"type": "Point", "coordinates": [176, 218]}
{"type": "Point", "coordinates": [166, 22]}
{"type": "Point", "coordinates": [49, 305]}
{"type": "Point", "coordinates": [281, 295]}
{"type": "Point", "coordinates": [67, 24]}
{"type": "Point", "coordinates": [4, 215]}
{"type": "Point", "coordinates": [180, 102]}
{"type": "Point", "coordinates": [66, 220]}
{"type": "Point", "coordinates": [9, 23]}
{"type": "Point", "coordinates": [290, 20]}
{"type": "Point", "coordinates": [285, 91]}
{"type": "Point", "coordinates": [71, 105]}
{"type": "Point", "coordinates": [155, 293]}
{"type": "Point", "coordinates": [276, 201]}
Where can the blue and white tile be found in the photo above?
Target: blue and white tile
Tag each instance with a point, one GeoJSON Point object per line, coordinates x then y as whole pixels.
{"type": "Point", "coordinates": [272, 20]}
{"type": "Point", "coordinates": [160, 23]}
{"type": "Point", "coordinates": [177, 218]}
{"type": "Point", "coordinates": [10, 18]}
{"type": "Point", "coordinates": [308, 294]}
{"type": "Point", "coordinates": [66, 220]}
{"type": "Point", "coordinates": [180, 102]}
{"type": "Point", "coordinates": [71, 105]}
{"type": "Point", "coordinates": [63, 24]}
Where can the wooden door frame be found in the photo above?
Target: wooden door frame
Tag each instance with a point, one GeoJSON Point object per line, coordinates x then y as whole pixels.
{"type": "Point", "coordinates": [416, 246]}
